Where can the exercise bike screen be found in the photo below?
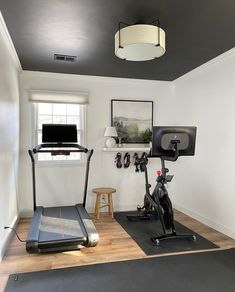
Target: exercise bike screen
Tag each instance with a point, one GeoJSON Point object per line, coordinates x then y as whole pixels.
{"type": "Point", "coordinates": [163, 136]}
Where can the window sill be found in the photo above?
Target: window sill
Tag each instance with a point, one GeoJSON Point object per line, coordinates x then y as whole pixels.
{"type": "Point", "coordinates": [127, 149]}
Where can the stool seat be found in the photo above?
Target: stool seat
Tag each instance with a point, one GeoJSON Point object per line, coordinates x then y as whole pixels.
{"type": "Point", "coordinates": [103, 190]}
{"type": "Point", "coordinates": [99, 204]}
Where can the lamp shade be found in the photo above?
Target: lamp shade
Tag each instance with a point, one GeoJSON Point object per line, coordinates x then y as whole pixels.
{"type": "Point", "coordinates": [140, 42]}
{"type": "Point", "coordinates": [110, 132]}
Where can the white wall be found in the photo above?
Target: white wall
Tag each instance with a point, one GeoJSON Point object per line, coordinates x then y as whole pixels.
{"type": "Point", "coordinates": [62, 185]}
{"type": "Point", "coordinates": [9, 135]}
{"type": "Point", "coordinates": [205, 184]}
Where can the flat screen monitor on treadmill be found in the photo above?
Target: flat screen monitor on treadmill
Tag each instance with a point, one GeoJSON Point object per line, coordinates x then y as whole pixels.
{"type": "Point", "coordinates": [57, 133]}
{"type": "Point", "coordinates": [164, 135]}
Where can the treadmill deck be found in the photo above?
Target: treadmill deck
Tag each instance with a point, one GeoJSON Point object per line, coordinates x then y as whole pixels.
{"type": "Point", "coordinates": [60, 223]}
{"type": "Point", "coordinates": [60, 229]}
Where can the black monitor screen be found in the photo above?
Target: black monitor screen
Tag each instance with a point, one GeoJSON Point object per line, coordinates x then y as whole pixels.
{"type": "Point", "coordinates": [57, 133]}
{"type": "Point", "coordinates": [164, 135]}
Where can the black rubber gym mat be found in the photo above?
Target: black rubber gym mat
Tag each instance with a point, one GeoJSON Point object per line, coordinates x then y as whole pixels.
{"type": "Point", "coordinates": [142, 231]}
{"type": "Point", "coordinates": [205, 272]}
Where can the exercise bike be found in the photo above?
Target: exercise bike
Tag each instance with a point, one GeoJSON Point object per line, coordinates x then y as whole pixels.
{"type": "Point", "coordinates": [177, 141]}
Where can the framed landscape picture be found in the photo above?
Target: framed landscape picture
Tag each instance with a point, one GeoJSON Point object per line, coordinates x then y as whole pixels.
{"type": "Point", "coordinates": [133, 120]}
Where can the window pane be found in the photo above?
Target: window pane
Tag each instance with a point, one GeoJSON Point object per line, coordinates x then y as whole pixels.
{"type": "Point", "coordinates": [39, 138]}
{"type": "Point", "coordinates": [79, 137]}
{"type": "Point", "coordinates": [73, 109]}
{"type": "Point", "coordinates": [59, 109]}
{"type": "Point", "coordinates": [59, 114]}
{"type": "Point", "coordinates": [44, 156]}
{"type": "Point", "coordinates": [44, 119]}
{"type": "Point", "coordinates": [45, 108]}
{"type": "Point", "coordinates": [59, 119]}
{"type": "Point", "coordinates": [74, 120]}
{"type": "Point", "coordinates": [74, 156]}
{"type": "Point", "coordinates": [59, 157]}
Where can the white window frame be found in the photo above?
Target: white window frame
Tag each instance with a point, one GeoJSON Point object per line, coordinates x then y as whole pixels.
{"type": "Point", "coordinates": [82, 136]}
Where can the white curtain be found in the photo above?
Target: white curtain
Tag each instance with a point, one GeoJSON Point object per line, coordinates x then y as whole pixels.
{"type": "Point", "coordinates": [74, 97]}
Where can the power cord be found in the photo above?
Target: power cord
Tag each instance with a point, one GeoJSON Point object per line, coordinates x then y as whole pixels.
{"type": "Point", "coordinates": [7, 227]}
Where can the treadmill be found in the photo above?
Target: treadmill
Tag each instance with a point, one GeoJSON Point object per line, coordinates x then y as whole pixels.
{"type": "Point", "coordinates": [63, 228]}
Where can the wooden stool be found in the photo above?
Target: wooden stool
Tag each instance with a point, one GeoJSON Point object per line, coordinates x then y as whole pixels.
{"type": "Point", "coordinates": [98, 205]}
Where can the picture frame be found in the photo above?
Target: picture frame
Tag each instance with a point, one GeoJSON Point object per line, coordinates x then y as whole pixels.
{"type": "Point", "coordinates": [133, 120]}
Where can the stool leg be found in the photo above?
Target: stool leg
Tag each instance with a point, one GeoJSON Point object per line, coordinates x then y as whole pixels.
{"type": "Point", "coordinates": [96, 202]}
{"type": "Point", "coordinates": [98, 207]}
{"type": "Point", "coordinates": [109, 207]}
{"type": "Point", "coordinates": [110, 201]}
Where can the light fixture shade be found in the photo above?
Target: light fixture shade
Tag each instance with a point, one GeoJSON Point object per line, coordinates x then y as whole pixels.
{"type": "Point", "coordinates": [110, 132]}
{"type": "Point", "coordinates": [140, 42]}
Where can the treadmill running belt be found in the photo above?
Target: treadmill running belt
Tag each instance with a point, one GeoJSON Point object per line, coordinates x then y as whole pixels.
{"type": "Point", "coordinates": [58, 223]}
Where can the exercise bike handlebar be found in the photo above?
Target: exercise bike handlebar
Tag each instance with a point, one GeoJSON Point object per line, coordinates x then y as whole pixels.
{"type": "Point", "coordinates": [174, 149]}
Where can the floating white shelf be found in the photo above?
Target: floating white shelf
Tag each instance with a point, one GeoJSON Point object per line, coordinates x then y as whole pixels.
{"type": "Point", "coordinates": [127, 149]}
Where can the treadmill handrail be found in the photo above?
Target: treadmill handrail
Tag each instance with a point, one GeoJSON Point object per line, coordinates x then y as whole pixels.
{"type": "Point", "coordinates": [86, 176]}
{"type": "Point", "coordinates": [77, 147]}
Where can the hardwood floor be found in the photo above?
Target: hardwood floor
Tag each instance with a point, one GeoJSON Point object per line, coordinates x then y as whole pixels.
{"type": "Point", "coordinates": [115, 245]}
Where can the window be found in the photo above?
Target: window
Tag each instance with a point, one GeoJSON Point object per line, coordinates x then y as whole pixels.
{"type": "Point", "coordinates": [58, 113]}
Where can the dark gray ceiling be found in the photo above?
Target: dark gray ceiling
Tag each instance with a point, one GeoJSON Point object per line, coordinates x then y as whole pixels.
{"type": "Point", "coordinates": [196, 31]}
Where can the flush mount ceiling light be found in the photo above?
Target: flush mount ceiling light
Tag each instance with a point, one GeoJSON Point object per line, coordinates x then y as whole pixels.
{"type": "Point", "coordinates": [140, 42]}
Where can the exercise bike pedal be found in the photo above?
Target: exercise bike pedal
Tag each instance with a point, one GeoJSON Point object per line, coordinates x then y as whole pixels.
{"type": "Point", "coordinates": [139, 208]}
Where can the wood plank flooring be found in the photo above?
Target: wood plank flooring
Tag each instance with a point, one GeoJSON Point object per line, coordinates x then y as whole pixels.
{"type": "Point", "coordinates": [115, 245]}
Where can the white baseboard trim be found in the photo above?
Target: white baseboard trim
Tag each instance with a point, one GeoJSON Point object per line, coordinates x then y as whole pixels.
{"type": "Point", "coordinates": [26, 214]}
{"type": "Point", "coordinates": [8, 237]}
{"type": "Point", "coordinates": [117, 208]}
{"type": "Point", "coordinates": [129, 207]}
{"type": "Point", "coordinates": [219, 227]}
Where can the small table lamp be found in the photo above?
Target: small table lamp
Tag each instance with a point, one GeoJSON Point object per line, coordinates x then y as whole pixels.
{"type": "Point", "coordinates": [110, 132]}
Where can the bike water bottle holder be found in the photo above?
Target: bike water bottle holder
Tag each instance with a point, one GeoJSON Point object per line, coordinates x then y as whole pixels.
{"type": "Point", "coordinates": [169, 178]}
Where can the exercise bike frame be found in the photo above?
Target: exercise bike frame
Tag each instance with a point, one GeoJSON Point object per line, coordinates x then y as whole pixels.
{"type": "Point", "coordinates": [147, 212]}
{"type": "Point", "coordinates": [158, 193]}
